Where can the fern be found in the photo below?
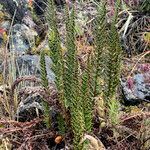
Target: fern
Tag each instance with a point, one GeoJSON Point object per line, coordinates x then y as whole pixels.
{"type": "Point", "coordinates": [45, 85]}
{"type": "Point", "coordinates": [56, 55]}
{"type": "Point", "coordinates": [113, 69]}
{"type": "Point", "coordinates": [99, 62]}
{"type": "Point", "coordinates": [76, 110]}
{"type": "Point", "coordinates": [108, 62]}
{"type": "Point", "coordinates": [76, 92]}
{"type": "Point", "coordinates": [70, 58]}
{"type": "Point", "coordinates": [87, 95]}
{"type": "Point", "coordinates": [114, 58]}
{"type": "Point", "coordinates": [55, 44]}
{"type": "Point", "coordinates": [71, 81]}
{"type": "Point", "coordinates": [100, 44]}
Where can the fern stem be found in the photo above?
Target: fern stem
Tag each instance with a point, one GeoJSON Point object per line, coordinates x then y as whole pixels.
{"type": "Point", "coordinates": [44, 79]}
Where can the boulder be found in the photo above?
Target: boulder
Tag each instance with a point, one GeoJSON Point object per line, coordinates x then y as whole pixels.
{"type": "Point", "coordinates": [136, 88]}
{"type": "Point", "coordinates": [22, 39]}
{"type": "Point", "coordinates": [20, 6]}
{"type": "Point", "coordinates": [30, 65]}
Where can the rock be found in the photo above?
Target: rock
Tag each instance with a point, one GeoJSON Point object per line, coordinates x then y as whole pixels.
{"type": "Point", "coordinates": [40, 5]}
{"type": "Point", "coordinates": [29, 65]}
{"type": "Point", "coordinates": [22, 38]}
{"type": "Point", "coordinates": [137, 88]}
{"type": "Point", "coordinates": [20, 6]}
{"type": "Point", "coordinates": [29, 108]}
{"type": "Point", "coordinates": [5, 25]}
{"type": "Point", "coordinates": [27, 20]}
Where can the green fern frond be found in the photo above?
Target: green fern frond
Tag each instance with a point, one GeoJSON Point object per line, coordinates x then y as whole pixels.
{"type": "Point", "coordinates": [99, 59]}
{"type": "Point", "coordinates": [113, 58]}
{"type": "Point", "coordinates": [44, 81]}
{"type": "Point", "coordinates": [108, 60]}
{"type": "Point", "coordinates": [100, 44]}
{"type": "Point", "coordinates": [56, 56]}
{"type": "Point", "coordinates": [113, 69]}
{"type": "Point", "coordinates": [76, 110]}
{"type": "Point", "coordinates": [71, 81]}
{"type": "Point", "coordinates": [54, 44]}
{"type": "Point", "coordinates": [113, 113]}
{"type": "Point", "coordinates": [87, 96]}
{"type": "Point", "coordinates": [43, 70]}
{"type": "Point", "coordinates": [71, 52]}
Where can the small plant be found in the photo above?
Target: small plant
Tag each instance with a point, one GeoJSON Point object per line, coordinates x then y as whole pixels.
{"type": "Point", "coordinates": [88, 95]}
{"type": "Point", "coordinates": [108, 69]}
{"type": "Point", "coordinates": [71, 86]}
{"type": "Point", "coordinates": [45, 85]}
{"type": "Point", "coordinates": [100, 36]}
{"type": "Point", "coordinates": [56, 55]}
{"type": "Point", "coordinates": [77, 91]}
{"type": "Point", "coordinates": [113, 70]}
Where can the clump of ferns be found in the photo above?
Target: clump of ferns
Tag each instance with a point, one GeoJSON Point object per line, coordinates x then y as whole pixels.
{"type": "Point", "coordinates": [76, 91]}
{"type": "Point", "coordinates": [108, 64]}
{"type": "Point", "coordinates": [73, 89]}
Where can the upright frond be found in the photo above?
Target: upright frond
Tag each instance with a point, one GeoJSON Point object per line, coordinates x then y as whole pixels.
{"type": "Point", "coordinates": [56, 54]}
{"type": "Point", "coordinates": [113, 69]}
{"type": "Point", "coordinates": [71, 54]}
{"type": "Point", "coordinates": [45, 85]}
{"type": "Point", "coordinates": [100, 35]}
{"type": "Point", "coordinates": [54, 43]}
{"type": "Point", "coordinates": [113, 58]}
{"type": "Point", "coordinates": [87, 95]}
{"type": "Point", "coordinates": [71, 81]}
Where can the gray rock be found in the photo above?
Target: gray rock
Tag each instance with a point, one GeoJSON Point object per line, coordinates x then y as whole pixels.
{"type": "Point", "coordinates": [20, 6]}
{"type": "Point", "coordinates": [142, 88]}
{"type": "Point", "coordinates": [137, 88]}
{"type": "Point", "coordinates": [5, 25]}
{"type": "Point", "coordinates": [29, 65]}
{"type": "Point", "coordinates": [27, 20]}
{"type": "Point", "coordinates": [29, 108]}
{"type": "Point", "coordinates": [22, 38]}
